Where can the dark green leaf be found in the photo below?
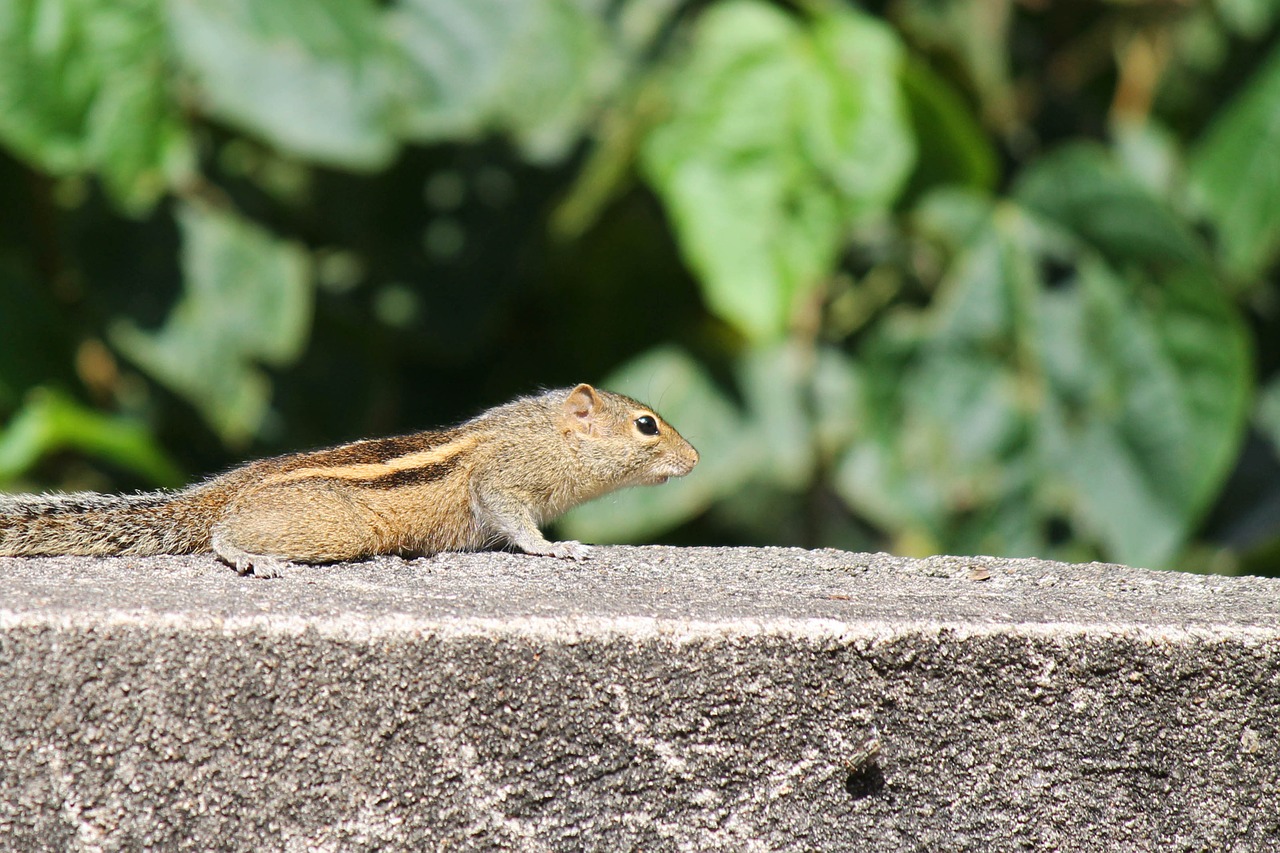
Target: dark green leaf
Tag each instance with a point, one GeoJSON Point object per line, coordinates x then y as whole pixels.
{"type": "Point", "coordinates": [1103, 390]}
{"type": "Point", "coordinates": [954, 149]}
{"type": "Point", "coordinates": [1080, 188]}
{"type": "Point", "coordinates": [247, 299]}
{"type": "Point", "coordinates": [1145, 415]}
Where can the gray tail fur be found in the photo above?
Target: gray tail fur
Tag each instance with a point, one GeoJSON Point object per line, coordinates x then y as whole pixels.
{"type": "Point", "coordinates": [88, 523]}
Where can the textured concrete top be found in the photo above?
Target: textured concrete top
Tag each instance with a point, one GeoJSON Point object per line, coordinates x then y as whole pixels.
{"type": "Point", "coordinates": [645, 589]}
{"type": "Point", "coordinates": [710, 699]}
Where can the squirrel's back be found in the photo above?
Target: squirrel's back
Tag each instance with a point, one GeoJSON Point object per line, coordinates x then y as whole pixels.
{"type": "Point", "coordinates": [86, 523]}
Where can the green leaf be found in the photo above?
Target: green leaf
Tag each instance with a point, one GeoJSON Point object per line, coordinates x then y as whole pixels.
{"type": "Point", "coordinates": [1082, 189]}
{"type": "Point", "coordinates": [780, 137]}
{"type": "Point", "coordinates": [679, 388]}
{"type": "Point", "coordinates": [954, 149]}
{"type": "Point", "coordinates": [84, 87]}
{"type": "Point", "coordinates": [1162, 362]}
{"type": "Point", "coordinates": [527, 67]}
{"type": "Point", "coordinates": [1151, 154]}
{"type": "Point", "coordinates": [311, 77]}
{"type": "Point", "coordinates": [1235, 168]}
{"type": "Point", "coordinates": [51, 422]}
{"type": "Point", "coordinates": [1250, 18]}
{"type": "Point", "coordinates": [247, 299]}
{"type": "Point", "coordinates": [974, 42]}
{"type": "Point", "coordinates": [853, 122]}
{"type": "Point", "coordinates": [942, 436]}
{"type": "Point", "coordinates": [780, 429]}
{"type": "Point", "coordinates": [1149, 434]}
{"type": "Point", "coordinates": [1061, 371]}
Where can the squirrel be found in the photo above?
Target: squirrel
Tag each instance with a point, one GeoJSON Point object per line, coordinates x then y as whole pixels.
{"type": "Point", "coordinates": [492, 480]}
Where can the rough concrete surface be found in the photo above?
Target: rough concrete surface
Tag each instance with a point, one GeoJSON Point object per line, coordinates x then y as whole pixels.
{"type": "Point", "coordinates": [650, 699]}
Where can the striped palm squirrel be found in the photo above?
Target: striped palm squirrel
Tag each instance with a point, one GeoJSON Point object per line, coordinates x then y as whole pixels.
{"type": "Point", "coordinates": [491, 481]}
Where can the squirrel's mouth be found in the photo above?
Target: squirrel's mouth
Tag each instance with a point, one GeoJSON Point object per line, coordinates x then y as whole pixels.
{"type": "Point", "coordinates": [667, 470]}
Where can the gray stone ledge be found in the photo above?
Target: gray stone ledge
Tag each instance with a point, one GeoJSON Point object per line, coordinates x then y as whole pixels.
{"type": "Point", "coordinates": [650, 699]}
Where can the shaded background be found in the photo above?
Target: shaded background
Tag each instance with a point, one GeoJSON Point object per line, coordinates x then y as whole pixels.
{"type": "Point", "coordinates": [985, 277]}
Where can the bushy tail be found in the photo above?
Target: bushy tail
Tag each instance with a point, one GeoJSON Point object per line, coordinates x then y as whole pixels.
{"type": "Point", "coordinates": [91, 524]}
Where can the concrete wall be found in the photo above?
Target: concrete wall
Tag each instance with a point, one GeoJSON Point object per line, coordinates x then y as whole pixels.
{"type": "Point", "coordinates": [651, 699]}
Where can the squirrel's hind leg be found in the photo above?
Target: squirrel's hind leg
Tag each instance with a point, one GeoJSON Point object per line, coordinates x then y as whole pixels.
{"type": "Point", "coordinates": [271, 527]}
{"type": "Point", "coordinates": [245, 563]}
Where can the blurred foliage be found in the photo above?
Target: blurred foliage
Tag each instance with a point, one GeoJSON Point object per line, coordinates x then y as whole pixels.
{"type": "Point", "coordinates": [976, 278]}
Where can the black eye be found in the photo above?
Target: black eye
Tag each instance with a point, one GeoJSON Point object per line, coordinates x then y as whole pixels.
{"type": "Point", "coordinates": [647, 425]}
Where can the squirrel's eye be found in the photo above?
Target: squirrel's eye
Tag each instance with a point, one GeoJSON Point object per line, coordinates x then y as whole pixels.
{"type": "Point", "coordinates": [647, 425]}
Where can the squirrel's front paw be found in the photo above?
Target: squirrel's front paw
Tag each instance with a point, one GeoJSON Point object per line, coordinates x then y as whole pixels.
{"type": "Point", "coordinates": [569, 550]}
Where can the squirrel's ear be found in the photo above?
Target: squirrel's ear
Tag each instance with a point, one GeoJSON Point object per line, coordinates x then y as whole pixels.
{"type": "Point", "coordinates": [580, 407]}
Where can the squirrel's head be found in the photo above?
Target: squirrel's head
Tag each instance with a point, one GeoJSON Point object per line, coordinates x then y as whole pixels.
{"type": "Point", "coordinates": [626, 442]}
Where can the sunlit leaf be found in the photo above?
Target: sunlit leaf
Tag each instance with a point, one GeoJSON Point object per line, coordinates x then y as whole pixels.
{"type": "Point", "coordinates": [781, 135]}
{"type": "Point", "coordinates": [525, 67]}
{"type": "Point", "coordinates": [50, 422]}
{"type": "Point", "coordinates": [308, 76]}
{"type": "Point", "coordinates": [853, 123]}
{"type": "Point", "coordinates": [1236, 169]}
{"type": "Point", "coordinates": [84, 86]}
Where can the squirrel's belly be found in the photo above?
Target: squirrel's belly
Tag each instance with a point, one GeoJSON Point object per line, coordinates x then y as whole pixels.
{"type": "Point", "coordinates": [435, 520]}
